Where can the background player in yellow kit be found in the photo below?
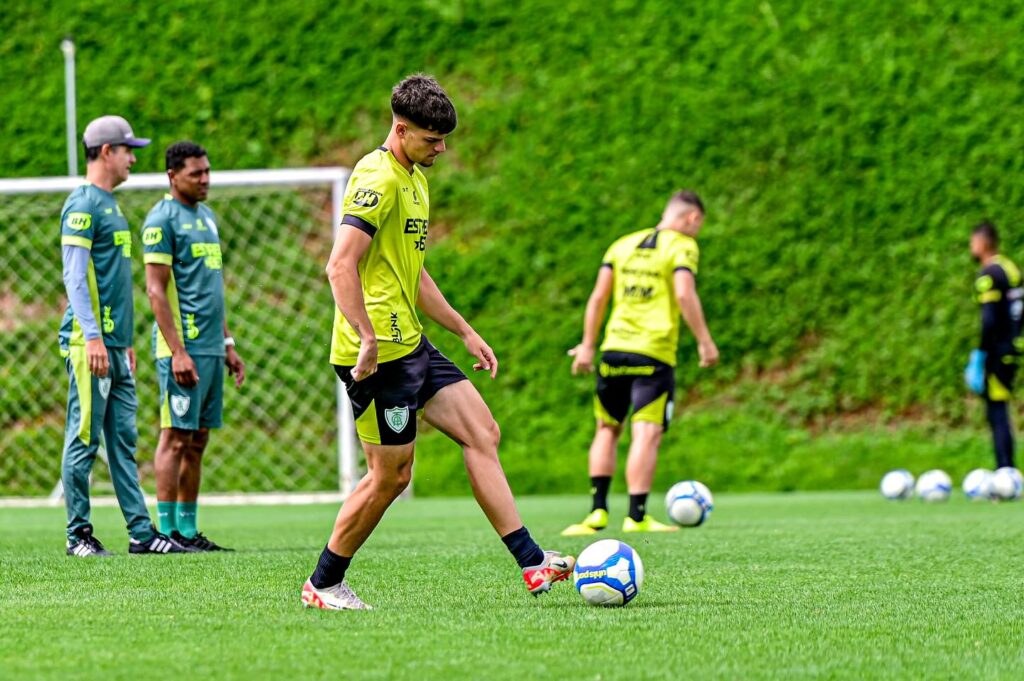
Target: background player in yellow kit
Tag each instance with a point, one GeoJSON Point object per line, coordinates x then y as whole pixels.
{"type": "Point", "coordinates": [650, 276]}
{"type": "Point", "coordinates": [389, 368]}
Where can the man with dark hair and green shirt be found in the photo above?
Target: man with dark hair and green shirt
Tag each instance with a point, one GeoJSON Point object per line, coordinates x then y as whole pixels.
{"type": "Point", "coordinates": [994, 364]}
{"type": "Point", "coordinates": [185, 283]}
{"type": "Point", "coordinates": [96, 343]}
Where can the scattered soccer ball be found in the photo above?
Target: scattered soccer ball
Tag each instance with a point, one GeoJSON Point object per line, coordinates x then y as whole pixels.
{"type": "Point", "coordinates": [689, 503]}
{"type": "Point", "coordinates": [897, 484]}
{"type": "Point", "coordinates": [1006, 484]}
{"type": "Point", "coordinates": [608, 572]}
{"type": "Point", "coordinates": [978, 484]}
{"type": "Point", "coordinates": [934, 485]}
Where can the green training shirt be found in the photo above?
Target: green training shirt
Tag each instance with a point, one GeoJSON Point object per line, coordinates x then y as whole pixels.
{"type": "Point", "coordinates": [92, 219]}
{"type": "Point", "coordinates": [186, 240]}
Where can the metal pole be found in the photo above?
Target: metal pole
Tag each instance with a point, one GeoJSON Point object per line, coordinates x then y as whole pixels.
{"type": "Point", "coordinates": [67, 46]}
{"type": "Point", "coordinates": [346, 439]}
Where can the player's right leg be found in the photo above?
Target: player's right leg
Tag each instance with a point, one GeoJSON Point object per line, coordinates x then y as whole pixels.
{"type": "Point", "coordinates": [384, 407]}
{"type": "Point", "coordinates": [87, 403]}
{"type": "Point", "coordinates": [652, 403]}
{"type": "Point", "coordinates": [1000, 376]}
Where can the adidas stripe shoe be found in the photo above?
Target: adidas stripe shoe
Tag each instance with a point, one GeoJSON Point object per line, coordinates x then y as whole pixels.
{"type": "Point", "coordinates": [159, 544]}
{"type": "Point", "coordinates": [84, 545]}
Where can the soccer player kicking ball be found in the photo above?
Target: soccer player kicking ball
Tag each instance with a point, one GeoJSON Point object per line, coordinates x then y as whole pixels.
{"type": "Point", "coordinates": [96, 342]}
{"type": "Point", "coordinates": [993, 365]}
{"type": "Point", "coordinates": [651, 277]}
{"type": "Point", "coordinates": [185, 283]}
{"type": "Point", "coordinates": [390, 370]}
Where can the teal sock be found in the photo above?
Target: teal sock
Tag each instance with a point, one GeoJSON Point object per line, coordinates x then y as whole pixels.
{"type": "Point", "coordinates": [187, 511]}
{"type": "Point", "coordinates": [167, 512]}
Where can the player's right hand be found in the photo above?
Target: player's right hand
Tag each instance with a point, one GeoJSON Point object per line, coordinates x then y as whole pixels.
{"type": "Point", "coordinates": [184, 370]}
{"type": "Point", "coordinates": [708, 352]}
{"type": "Point", "coordinates": [366, 362]}
{"type": "Point", "coordinates": [96, 353]}
{"type": "Point", "coordinates": [583, 359]}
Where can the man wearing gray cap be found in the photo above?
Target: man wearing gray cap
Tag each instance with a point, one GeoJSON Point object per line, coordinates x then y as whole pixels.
{"type": "Point", "coordinates": [96, 343]}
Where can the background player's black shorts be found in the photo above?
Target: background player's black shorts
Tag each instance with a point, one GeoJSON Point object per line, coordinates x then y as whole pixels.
{"type": "Point", "coordinates": [1000, 371]}
{"type": "Point", "coordinates": [626, 379]}
{"type": "Point", "coordinates": [385, 403]}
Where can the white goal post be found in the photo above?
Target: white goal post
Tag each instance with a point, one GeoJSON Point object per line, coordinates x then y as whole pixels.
{"type": "Point", "coordinates": [289, 207]}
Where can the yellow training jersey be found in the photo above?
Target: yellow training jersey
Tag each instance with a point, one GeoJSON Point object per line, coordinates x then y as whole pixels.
{"type": "Point", "coordinates": [645, 316]}
{"type": "Point", "coordinates": [392, 205]}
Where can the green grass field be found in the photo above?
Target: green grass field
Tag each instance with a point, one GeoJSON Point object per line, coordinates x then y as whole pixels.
{"type": "Point", "coordinates": [823, 585]}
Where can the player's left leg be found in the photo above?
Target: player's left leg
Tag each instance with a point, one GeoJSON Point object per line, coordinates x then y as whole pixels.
{"type": "Point", "coordinates": [999, 390]}
{"type": "Point", "coordinates": [458, 410]}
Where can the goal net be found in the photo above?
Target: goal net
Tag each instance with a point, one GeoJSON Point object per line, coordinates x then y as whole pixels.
{"type": "Point", "coordinates": [288, 430]}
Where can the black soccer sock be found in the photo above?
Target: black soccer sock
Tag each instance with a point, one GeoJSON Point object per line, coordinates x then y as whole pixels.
{"type": "Point", "coordinates": [1002, 436]}
{"type": "Point", "coordinates": [599, 485]}
{"type": "Point", "coordinates": [330, 570]}
{"type": "Point", "coordinates": [637, 506]}
{"type": "Point", "coordinates": [521, 545]}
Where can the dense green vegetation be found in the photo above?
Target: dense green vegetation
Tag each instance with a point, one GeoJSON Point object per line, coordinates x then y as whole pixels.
{"type": "Point", "coordinates": [797, 586]}
{"type": "Point", "coordinates": [844, 149]}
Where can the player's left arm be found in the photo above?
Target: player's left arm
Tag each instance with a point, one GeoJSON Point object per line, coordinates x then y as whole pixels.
{"type": "Point", "coordinates": [236, 367]}
{"type": "Point", "coordinates": [433, 304]}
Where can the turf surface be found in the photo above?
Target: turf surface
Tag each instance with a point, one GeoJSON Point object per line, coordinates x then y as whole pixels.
{"type": "Point", "coordinates": [840, 585]}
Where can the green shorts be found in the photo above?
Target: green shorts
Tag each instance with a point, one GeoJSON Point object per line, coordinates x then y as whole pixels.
{"type": "Point", "coordinates": [192, 408]}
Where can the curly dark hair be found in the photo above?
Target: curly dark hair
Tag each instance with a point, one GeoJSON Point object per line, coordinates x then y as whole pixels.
{"type": "Point", "coordinates": [420, 99]}
{"type": "Point", "coordinates": [179, 151]}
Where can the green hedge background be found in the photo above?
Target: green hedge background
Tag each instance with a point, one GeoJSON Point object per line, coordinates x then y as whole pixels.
{"type": "Point", "coordinates": [843, 150]}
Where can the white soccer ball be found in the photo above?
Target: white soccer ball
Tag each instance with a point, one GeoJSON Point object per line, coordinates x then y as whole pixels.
{"type": "Point", "coordinates": [1006, 483]}
{"type": "Point", "coordinates": [897, 484]}
{"type": "Point", "coordinates": [689, 503]}
{"type": "Point", "coordinates": [934, 485]}
{"type": "Point", "coordinates": [608, 572]}
{"type": "Point", "coordinates": [978, 484]}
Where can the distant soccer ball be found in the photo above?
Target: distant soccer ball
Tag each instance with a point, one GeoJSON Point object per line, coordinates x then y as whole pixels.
{"type": "Point", "coordinates": [608, 572]}
{"type": "Point", "coordinates": [897, 484]}
{"type": "Point", "coordinates": [934, 485]}
{"type": "Point", "coordinates": [978, 484]}
{"type": "Point", "coordinates": [1007, 483]}
{"type": "Point", "coordinates": [689, 503]}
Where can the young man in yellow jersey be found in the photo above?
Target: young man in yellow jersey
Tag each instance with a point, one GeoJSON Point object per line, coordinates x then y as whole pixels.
{"type": "Point", "coordinates": [390, 370]}
{"type": "Point", "coordinates": [651, 277]}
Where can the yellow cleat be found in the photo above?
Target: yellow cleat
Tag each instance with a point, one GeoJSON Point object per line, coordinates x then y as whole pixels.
{"type": "Point", "coordinates": [648, 524]}
{"type": "Point", "coordinates": [596, 520]}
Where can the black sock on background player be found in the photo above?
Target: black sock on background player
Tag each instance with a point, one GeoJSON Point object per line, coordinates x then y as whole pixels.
{"type": "Point", "coordinates": [1002, 437]}
{"type": "Point", "coordinates": [637, 506]}
{"type": "Point", "coordinates": [599, 485]}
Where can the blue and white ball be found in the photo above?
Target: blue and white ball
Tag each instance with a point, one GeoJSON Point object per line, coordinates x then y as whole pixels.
{"type": "Point", "coordinates": [978, 484]}
{"type": "Point", "coordinates": [1006, 484]}
{"type": "Point", "coordinates": [897, 485]}
{"type": "Point", "coordinates": [934, 485]}
{"type": "Point", "coordinates": [608, 572]}
{"type": "Point", "coordinates": [689, 503]}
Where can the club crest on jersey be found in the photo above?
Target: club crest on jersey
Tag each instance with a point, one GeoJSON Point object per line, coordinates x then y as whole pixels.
{"type": "Point", "coordinates": [397, 418]}
{"type": "Point", "coordinates": [180, 404]}
{"type": "Point", "coordinates": [104, 386]}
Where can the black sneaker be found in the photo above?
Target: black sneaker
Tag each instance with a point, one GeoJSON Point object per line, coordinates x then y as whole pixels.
{"type": "Point", "coordinates": [84, 545]}
{"type": "Point", "coordinates": [198, 542]}
{"type": "Point", "coordinates": [160, 544]}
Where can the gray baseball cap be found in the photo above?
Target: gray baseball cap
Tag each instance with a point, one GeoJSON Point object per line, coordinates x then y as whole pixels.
{"type": "Point", "coordinates": [111, 130]}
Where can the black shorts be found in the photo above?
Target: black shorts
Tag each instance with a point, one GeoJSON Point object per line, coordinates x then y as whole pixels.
{"type": "Point", "coordinates": [1000, 371]}
{"type": "Point", "coordinates": [626, 379]}
{"type": "Point", "coordinates": [385, 404]}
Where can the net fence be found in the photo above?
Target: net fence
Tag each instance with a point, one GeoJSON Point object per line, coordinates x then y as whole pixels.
{"type": "Point", "coordinates": [280, 431]}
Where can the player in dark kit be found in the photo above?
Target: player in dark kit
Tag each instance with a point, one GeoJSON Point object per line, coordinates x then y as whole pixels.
{"type": "Point", "coordinates": [389, 368]}
{"type": "Point", "coordinates": [993, 365]}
